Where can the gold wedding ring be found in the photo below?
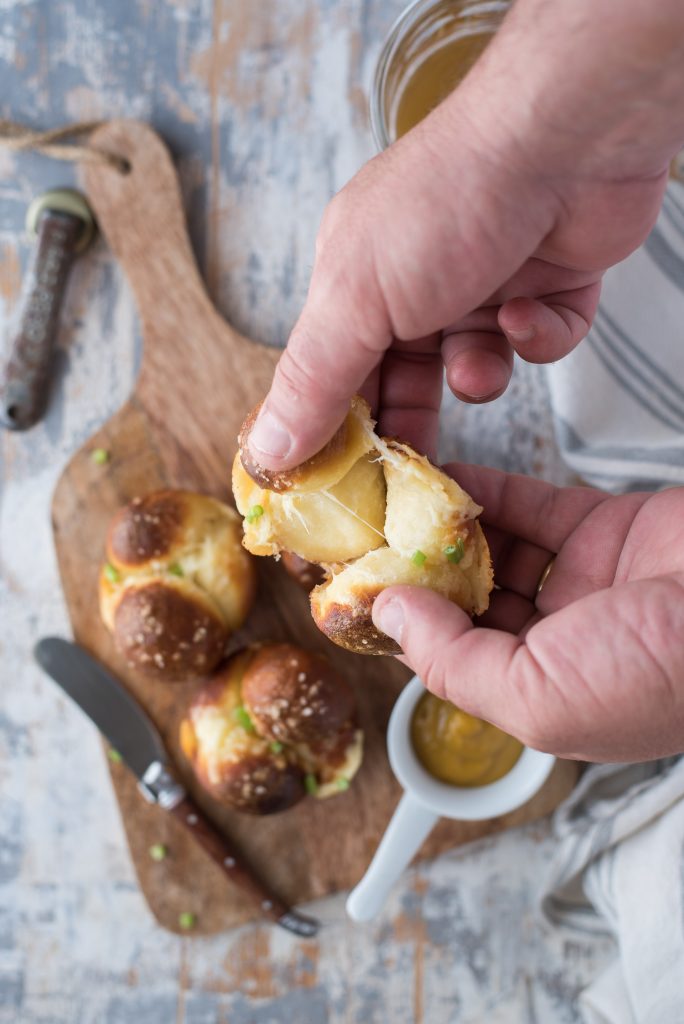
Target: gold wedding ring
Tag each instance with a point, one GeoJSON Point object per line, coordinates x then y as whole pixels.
{"type": "Point", "coordinates": [544, 577]}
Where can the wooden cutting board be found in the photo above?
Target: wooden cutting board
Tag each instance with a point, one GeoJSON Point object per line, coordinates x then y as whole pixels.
{"type": "Point", "coordinates": [198, 379]}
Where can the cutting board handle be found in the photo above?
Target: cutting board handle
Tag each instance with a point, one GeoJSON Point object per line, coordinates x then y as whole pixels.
{"type": "Point", "coordinates": [141, 215]}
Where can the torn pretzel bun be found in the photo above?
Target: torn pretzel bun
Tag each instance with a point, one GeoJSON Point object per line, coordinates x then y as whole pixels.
{"type": "Point", "coordinates": [177, 582]}
{"type": "Point", "coordinates": [276, 722]}
{"type": "Point", "coordinates": [380, 514]}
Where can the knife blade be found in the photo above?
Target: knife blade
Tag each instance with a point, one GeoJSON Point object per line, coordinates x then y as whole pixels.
{"type": "Point", "coordinates": [126, 726]}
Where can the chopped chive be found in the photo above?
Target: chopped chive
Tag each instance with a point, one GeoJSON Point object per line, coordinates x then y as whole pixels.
{"type": "Point", "coordinates": [241, 716]}
{"type": "Point", "coordinates": [342, 783]}
{"type": "Point", "coordinates": [112, 574]}
{"type": "Point", "coordinates": [418, 558]}
{"type": "Point", "coordinates": [254, 513]}
{"type": "Point", "coordinates": [187, 920]}
{"type": "Point", "coordinates": [455, 552]}
{"type": "Point", "coordinates": [114, 756]}
{"type": "Point", "coordinates": [276, 747]}
{"type": "Point", "coordinates": [99, 456]}
{"type": "Point", "coordinates": [311, 784]}
{"type": "Point", "coordinates": [176, 569]}
{"type": "Point", "coordinates": [158, 851]}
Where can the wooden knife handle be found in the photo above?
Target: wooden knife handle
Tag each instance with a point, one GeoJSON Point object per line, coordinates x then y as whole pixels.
{"type": "Point", "coordinates": [219, 849]}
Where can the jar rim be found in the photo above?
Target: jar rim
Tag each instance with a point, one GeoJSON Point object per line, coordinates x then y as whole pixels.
{"type": "Point", "coordinates": [396, 35]}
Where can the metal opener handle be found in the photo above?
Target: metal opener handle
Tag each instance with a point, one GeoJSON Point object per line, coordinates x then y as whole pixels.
{"type": "Point", "coordinates": [63, 225]}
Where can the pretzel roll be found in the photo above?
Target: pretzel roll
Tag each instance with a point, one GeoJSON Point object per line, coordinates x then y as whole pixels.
{"type": "Point", "coordinates": [392, 518]}
{"type": "Point", "coordinates": [177, 582]}
{"type": "Point", "coordinates": [233, 763]}
{"type": "Point", "coordinates": [342, 606]}
{"type": "Point", "coordinates": [276, 722]}
{"type": "Point", "coordinates": [340, 522]}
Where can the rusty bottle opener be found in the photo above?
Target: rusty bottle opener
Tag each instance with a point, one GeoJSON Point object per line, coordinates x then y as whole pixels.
{"type": "Point", "coordinates": [63, 225]}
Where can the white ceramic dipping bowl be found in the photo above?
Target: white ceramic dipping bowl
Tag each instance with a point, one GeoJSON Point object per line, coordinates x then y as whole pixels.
{"type": "Point", "coordinates": [426, 799]}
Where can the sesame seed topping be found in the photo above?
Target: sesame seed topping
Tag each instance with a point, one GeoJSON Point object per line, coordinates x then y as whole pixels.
{"type": "Point", "coordinates": [301, 677]}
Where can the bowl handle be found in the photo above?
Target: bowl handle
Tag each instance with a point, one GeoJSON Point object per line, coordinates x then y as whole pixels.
{"type": "Point", "coordinates": [410, 824]}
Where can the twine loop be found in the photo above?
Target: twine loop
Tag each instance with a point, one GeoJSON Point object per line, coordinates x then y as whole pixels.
{"type": "Point", "coordinates": [54, 142]}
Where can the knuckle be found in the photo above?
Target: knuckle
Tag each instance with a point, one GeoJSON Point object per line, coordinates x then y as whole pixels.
{"type": "Point", "coordinates": [294, 374]}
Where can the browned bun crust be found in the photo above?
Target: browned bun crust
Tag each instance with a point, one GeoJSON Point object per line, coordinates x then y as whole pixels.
{"type": "Point", "coordinates": [147, 528]}
{"type": "Point", "coordinates": [351, 625]}
{"type": "Point", "coordinates": [166, 632]}
{"type": "Point", "coordinates": [273, 480]}
{"type": "Point", "coordinates": [294, 696]}
{"type": "Point", "coordinates": [176, 584]}
{"type": "Point", "coordinates": [258, 785]}
{"type": "Point", "coordinates": [307, 574]}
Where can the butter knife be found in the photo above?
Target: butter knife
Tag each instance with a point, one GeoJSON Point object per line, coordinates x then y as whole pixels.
{"type": "Point", "coordinates": [127, 728]}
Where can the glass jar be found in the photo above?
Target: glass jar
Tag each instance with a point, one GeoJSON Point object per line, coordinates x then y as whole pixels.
{"type": "Point", "coordinates": [429, 49]}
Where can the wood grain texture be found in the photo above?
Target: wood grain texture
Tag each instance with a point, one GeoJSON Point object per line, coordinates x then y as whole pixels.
{"type": "Point", "coordinates": [197, 381]}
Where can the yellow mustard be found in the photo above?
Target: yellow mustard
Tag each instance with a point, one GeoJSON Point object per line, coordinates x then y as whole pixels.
{"type": "Point", "coordinates": [457, 748]}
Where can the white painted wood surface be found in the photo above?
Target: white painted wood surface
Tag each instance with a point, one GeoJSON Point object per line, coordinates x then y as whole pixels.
{"type": "Point", "coordinates": [265, 107]}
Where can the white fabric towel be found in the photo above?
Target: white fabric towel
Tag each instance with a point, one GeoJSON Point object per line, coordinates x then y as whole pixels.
{"type": "Point", "coordinates": [620, 867]}
{"type": "Point", "coordinates": [618, 404]}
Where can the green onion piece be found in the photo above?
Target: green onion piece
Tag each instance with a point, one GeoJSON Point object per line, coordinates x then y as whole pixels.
{"type": "Point", "coordinates": [176, 570]}
{"type": "Point", "coordinates": [254, 513]}
{"type": "Point", "coordinates": [311, 784]}
{"type": "Point", "coordinates": [276, 747]}
{"type": "Point", "coordinates": [114, 756]}
{"type": "Point", "coordinates": [241, 716]}
{"type": "Point", "coordinates": [419, 558]}
{"type": "Point", "coordinates": [158, 851]}
{"type": "Point", "coordinates": [187, 920]}
{"type": "Point", "coordinates": [455, 552]}
{"type": "Point", "coordinates": [342, 783]}
{"type": "Point", "coordinates": [112, 574]}
{"type": "Point", "coordinates": [99, 456]}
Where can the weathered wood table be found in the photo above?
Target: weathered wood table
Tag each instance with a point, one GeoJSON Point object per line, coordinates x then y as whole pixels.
{"type": "Point", "coordinates": [264, 106]}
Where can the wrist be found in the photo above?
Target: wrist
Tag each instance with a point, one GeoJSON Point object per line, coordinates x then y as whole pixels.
{"type": "Point", "coordinates": [580, 89]}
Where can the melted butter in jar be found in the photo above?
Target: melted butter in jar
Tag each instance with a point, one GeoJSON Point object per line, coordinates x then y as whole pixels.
{"type": "Point", "coordinates": [457, 748]}
{"type": "Point", "coordinates": [429, 49]}
{"type": "Point", "coordinates": [434, 78]}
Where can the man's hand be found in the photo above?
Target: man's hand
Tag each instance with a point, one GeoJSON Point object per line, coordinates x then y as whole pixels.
{"type": "Point", "coordinates": [488, 227]}
{"type": "Point", "coordinates": [593, 668]}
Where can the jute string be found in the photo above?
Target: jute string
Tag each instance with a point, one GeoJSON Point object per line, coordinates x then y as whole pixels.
{"type": "Point", "coordinates": [55, 143]}
{"type": "Point", "coordinates": [17, 137]}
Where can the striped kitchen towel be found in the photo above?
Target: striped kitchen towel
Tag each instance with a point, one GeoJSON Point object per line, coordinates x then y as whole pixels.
{"type": "Point", "coordinates": [619, 867]}
{"type": "Point", "coordinates": [618, 399]}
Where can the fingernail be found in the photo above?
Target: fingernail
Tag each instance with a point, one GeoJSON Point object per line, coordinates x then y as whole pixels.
{"type": "Point", "coordinates": [269, 436]}
{"type": "Point", "coordinates": [526, 334]}
{"type": "Point", "coordinates": [390, 619]}
{"type": "Point", "coordinates": [491, 365]}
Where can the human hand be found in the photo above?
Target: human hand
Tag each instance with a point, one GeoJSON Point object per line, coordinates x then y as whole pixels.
{"type": "Point", "coordinates": [591, 668]}
{"type": "Point", "coordinates": [487, 228]}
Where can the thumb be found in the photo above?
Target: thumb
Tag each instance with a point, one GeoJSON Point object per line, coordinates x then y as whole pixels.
{"type": "Point", "coordinates": [471, 667]}
{"type": "Point", "coordinates": [339, 339]}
